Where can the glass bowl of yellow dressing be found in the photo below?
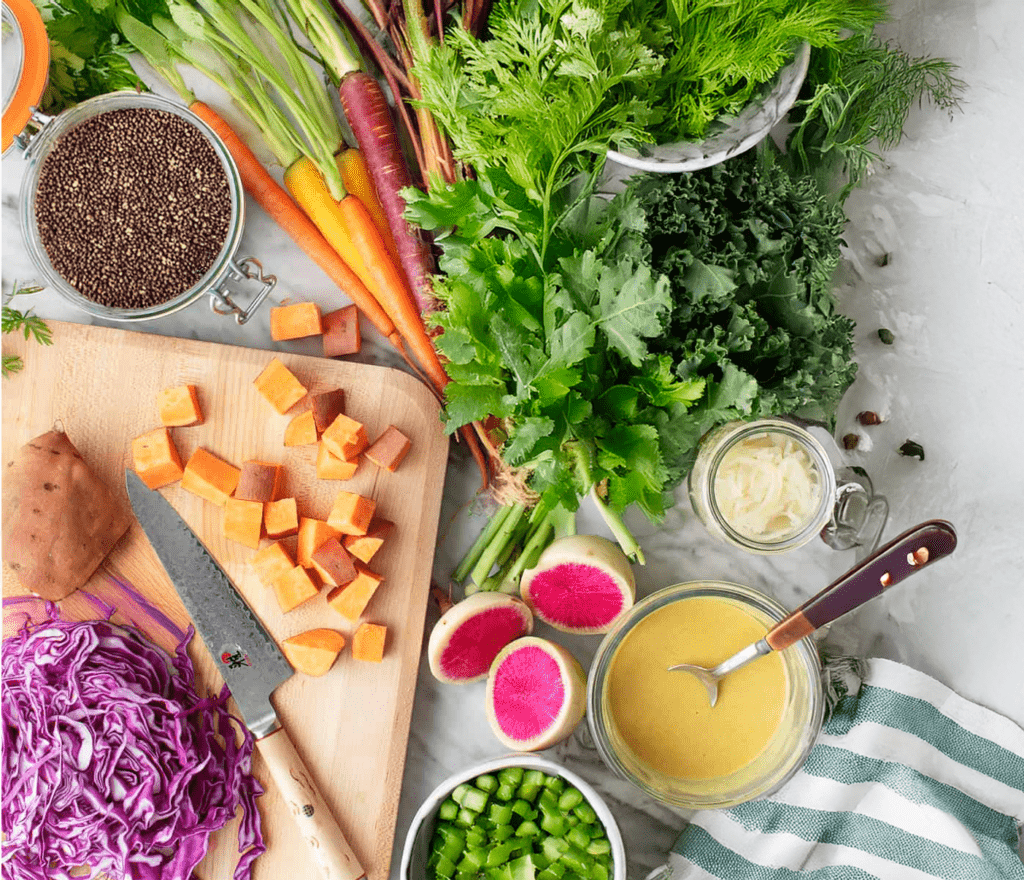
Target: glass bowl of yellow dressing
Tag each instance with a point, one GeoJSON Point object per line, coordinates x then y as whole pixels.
{"type": "Point", "coordinates": [657, 728]}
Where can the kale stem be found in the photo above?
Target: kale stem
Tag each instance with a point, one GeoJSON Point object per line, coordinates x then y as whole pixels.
{"type": "Point", "coordinates": [490, 555]}
{"type": "Point", "coordinates": [614, 522]}
{"type": "Point", "coordinates": [480, 544]}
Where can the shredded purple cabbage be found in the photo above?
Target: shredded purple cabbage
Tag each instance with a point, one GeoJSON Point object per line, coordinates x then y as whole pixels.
{"type": "Point", "coordinates": [112, 760]}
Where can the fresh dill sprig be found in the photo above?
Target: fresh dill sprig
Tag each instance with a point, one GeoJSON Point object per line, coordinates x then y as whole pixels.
{"type": "Point", "coordinates": [31, 325]}
{"type": "Point", "coordinates": [857, 97]}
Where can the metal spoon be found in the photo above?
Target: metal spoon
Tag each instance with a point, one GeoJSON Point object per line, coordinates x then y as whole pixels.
{"type": "Point", "coordinates": [903, 556]}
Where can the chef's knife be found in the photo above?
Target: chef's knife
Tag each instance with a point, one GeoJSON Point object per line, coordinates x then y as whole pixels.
{"type": "Point", "coordinates": [252, 666]}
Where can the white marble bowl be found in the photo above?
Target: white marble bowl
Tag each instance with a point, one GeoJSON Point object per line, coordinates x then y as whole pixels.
{"type": "Point", "coordinates": [421, 830]}
{"type": "Point", "coordinates": [749, 128]}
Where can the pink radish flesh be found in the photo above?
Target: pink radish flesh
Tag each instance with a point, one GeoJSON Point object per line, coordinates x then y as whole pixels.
{"type": "Point", "coordinates": [528, 693]}
{"type": "Point", "coordinates": [473, 646]}
{"type": "Point", "coordinates": [576, 595]}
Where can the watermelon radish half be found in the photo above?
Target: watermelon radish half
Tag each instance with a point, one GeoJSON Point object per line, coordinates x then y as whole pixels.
{"type": "Point", "coordinates": [581, 584]}
{"type": "Point", "coordinates": [469, 635]}
{"type": "Point", "coordinates": [536, 694]}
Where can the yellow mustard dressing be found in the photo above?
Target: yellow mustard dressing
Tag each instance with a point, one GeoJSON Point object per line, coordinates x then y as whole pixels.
{"type": "Point", "coordinates": [665, 717]}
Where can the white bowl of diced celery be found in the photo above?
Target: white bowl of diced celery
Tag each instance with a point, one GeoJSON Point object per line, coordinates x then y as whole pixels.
{"type": "Point", "coordinates": [519, 817]}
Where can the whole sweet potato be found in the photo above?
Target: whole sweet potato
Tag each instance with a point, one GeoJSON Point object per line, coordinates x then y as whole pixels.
{"type": "Point", "coordinates": [59, 519]}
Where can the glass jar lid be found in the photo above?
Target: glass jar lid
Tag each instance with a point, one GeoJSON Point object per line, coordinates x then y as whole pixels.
{"type": "Point", "coordinates": [26, 64]}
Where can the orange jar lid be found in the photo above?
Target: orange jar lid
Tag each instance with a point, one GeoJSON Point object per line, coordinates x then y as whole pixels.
{"type": "Point", "coordinates": [35, 65]}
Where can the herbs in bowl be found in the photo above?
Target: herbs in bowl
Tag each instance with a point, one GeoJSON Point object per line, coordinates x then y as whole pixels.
{"type": "Point", "coordinates": [514, 818]}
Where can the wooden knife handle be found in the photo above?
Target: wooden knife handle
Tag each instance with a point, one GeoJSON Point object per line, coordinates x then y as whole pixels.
{"type": "Point", "coordinates": [327, 844]}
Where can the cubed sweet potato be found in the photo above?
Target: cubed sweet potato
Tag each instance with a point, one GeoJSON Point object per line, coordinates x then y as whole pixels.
{"type": "Point", "coordinates": [179, 406]}
{"type": "Point", "coordinates": [295, 321]}
{"type": "Point", "coordinates": [279, 386]}
{"type": "Point", "coordinates": [333, 563]}
{"type": "Point", "coordinates": [327, 406]}
{"type": "Point", "coordinates": [59, 519]}
{"type": "Point", "coordinates": [363, 547]}
{"type": "Point", "coordinates": [293, 588]}
{"type": "Point", "coordinates": [345, 438]}
{"type": "Point", "coordinates": [259, 481]}
{"type": "Point", "coordinates": [281, 518]}
{"type": "Point", "coordinates": [312, 533]}
{"type": "Point", "coordinates": [341, 332]}
{"type": "Point", "coordinates": [389, 449]}
{"type": "Point", "coordinates": [351, 600]}
{"type": "Point", "coordinates": [210, 477]}
{"type": "Point", "coordinates": [368, 642]}
{"type": "Point", "coordinates": [300, 431]}
{"type": "Point", "coordinates": [351, 513]}
{"type": "Point", "coordinates": [313, 651]}
{"type": "Point", "coordinates": [271, 563]}
{"type": "Point", "coordinates": [156, 459]}
{"type": "Point", "coordinates": [243, 522]}
{"type": "Point", "coordinates": [330, 467]}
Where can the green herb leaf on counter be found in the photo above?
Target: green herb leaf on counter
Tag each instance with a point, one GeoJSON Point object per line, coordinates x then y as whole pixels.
{"type": "Point", "coordinates": [87, 56]}
{"type": "Point", "coordinates": [912, 448]}
{"type": "Point", "coordinates": [857, 96]}
{"type": "Point", "coordinates": [32, 326]}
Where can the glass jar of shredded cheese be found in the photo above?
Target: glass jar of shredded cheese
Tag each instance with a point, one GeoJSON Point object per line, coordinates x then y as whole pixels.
{"type": "Point", "coordinates": [766, 486]}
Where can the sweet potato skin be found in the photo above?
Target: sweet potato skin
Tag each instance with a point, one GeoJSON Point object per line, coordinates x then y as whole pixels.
{"type": "Point", "coordinates": [59, 519]}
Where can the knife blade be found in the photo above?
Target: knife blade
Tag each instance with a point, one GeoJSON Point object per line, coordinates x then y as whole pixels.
{"type": "Point", "coordinates": [252, 666]}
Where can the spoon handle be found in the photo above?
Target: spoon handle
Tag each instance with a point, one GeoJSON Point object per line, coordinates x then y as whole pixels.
{"type": "Point", "coordinates": [903, 556]}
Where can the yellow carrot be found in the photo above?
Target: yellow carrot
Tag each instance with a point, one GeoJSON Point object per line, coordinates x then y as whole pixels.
{"type": "Point", "coordinates": [356, 177]}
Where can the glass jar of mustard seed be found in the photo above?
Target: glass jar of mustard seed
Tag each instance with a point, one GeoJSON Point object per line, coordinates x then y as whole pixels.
{"type": "Point", "coordinates": [131, 206]}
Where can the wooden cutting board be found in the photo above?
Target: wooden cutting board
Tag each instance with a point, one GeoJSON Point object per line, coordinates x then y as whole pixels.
{"type": "Point", "coordinates": [351, 726]}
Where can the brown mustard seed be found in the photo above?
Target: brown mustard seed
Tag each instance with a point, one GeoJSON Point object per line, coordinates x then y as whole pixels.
{"type": "Point", "coordinates": [133, 206]}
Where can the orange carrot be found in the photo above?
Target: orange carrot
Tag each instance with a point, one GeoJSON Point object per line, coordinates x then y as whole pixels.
{"type": "Point", "coordinates": [346, 224]}
{"type": "Point", "coordinates": [356, 177]}
{"type": "Point", "coordinates": [270, 196]}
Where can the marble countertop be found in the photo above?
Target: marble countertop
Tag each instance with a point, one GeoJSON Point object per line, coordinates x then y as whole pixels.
{"type": "Point", "coordinates": [934, 249]}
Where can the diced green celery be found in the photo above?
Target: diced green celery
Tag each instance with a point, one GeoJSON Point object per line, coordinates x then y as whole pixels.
{"type": "Point", "coordinates": [506, 791]}
{"type": "Point", "coordinates": [448, 810]}
{"type": "Point", "coordinates": [548, 802]}
{"type": "Point", "coordinates": [553, 824]}
{"type": "Point", "coordinates": [474, 799]}
{"type": "Point", "coordinates": [585, 812]}
{"type": "Point", "coordinates": [499, 854]}
{"type": "Point", "coordinates": [553, 847]}
{"type": "Point", "coordinates": [523, 808]}
{"type": "Point", "coordinates": [556, 869]}
{"type": "Point", "coordinates": [572, 819]}
{"type": "Point", "coordinates": [460, 791]}
{"type": "Point", "coordinates": [500, 814]}
{"type": "Point", "coordinates": [534, 777]}
{"type": "Point", "coordinates": [465, 818]}
{"type": "Point", "coordinates": [511, 775]}
{"type": "Point", "coordinates": [599, 871]}
{"type": "Point", "coordinates": [502, 872]}
{"type": "Point", "coordinates": [502, 832]}
{"type": "Point", "coordinates": [527, 828]}
{"type": "Point", "coordinates": [578, 860]}
{"type": "Point", "coordinates": [533, 781]}
{"type": "Point", "coordinates": [487, 782]}
{"type": "Point", "coordinates": [578, 836]}
{"type": "Point", "coordinates": [445, 867]}
{"type": "Point", "coordinates": [599, 846]}
{"type": "Point", "coordinates": [554, 783]}
{"type": "Point", "coordinates": [464, 875]}
{"type": "Point", "coordinates": [452, 849]}
{"type": "Point", "coordinates": [570, 798]}
{"type": "Point", "coordinates": [523, 868]}
{"type": "Point", "coordinates": [475, 837]}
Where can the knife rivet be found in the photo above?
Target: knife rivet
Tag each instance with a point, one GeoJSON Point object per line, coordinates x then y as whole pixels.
{"type": "Point", "coordinates": [918, 557]}
{"type": "Point", "coordinates": [307, 810]}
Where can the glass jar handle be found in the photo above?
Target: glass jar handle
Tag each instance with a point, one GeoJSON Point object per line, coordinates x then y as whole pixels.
{"type": "Point", "coordinates": [249, 269]}
{"type": "Point", "coordinates": [858, 515]}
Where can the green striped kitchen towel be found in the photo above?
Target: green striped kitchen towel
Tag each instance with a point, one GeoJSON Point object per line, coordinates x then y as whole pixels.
{"type": "Point", "coordinates": [908, 781]}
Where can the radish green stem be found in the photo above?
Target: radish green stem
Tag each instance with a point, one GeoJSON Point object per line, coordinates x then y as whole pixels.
{"type": "Point", "coordinates": [480, 544]}
{"type": "Point", "coordinates": [614, 522]}
{"type": "Point", "coordinates": [487, 559]}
